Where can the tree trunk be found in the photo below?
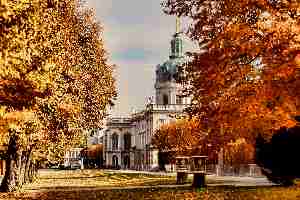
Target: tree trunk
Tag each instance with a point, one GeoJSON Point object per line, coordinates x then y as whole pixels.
{"type": "Point", "coordinates": [27, 166]}
{"type": "Point", "coordinates": [199, 180]}
{"type": "Point", "coordinates": [32, 171]}
{"type": "Point", "coordinates": [9, 182]}
{"type": "Point", "coordinates": [21, 169]}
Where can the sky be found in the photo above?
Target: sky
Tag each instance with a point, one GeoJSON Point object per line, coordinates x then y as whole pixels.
{"type": "Point", "coordinates": [137, 37]}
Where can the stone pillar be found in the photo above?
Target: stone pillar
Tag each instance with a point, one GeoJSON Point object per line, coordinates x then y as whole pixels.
{"type": "Point", "coordinates": [120, 141]}
{"type": "Point", "coordinates": [81, 163]}
{"type": "Point", "coordinates": [108, 142]}
{"type": "Point", "coordinates": [154, 157]}
{"type": "Point", "coordinates": [131, 157]}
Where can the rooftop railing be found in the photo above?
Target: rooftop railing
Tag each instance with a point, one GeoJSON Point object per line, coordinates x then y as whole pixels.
{"type": "Point", "coordinates": [119, 120]}
{"type": "Point", "coordinates": [167, 107]}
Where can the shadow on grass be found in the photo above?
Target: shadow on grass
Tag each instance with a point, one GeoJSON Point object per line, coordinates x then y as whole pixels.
{"type": "Point", "coordinates": [174, 192]}
{"type": "Point", "coordinates": [171, 191]}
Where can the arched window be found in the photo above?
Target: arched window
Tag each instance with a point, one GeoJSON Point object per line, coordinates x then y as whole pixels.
{"type": "Point", "coordinates": [127, 141]}
{"type": "Point", "coordinates": [115, 140]}
{"type": "Point", "coordinates": [165, 99]}
{"type": "Point", "coordinates": [115, 161]}
{"type": "Point", "coordinates": [126, 161]}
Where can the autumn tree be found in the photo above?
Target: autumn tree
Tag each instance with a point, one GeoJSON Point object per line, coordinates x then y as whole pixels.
{"type": "Point", "coordinates": [237, 154]}
{"type": "Point", "coordinates": [86, 87]}
{"type": "Point", "coordinates": [180, 137]}
{"type": "Point", "coordinates": [47, 50]}
{"type": "Point", "coordinates": [96, 77]}
{"type": "Point", "coordinates": [245, 77]}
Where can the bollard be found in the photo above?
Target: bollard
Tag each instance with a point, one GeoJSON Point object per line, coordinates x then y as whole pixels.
{"type": "Point", "coordinates": [199, 180]}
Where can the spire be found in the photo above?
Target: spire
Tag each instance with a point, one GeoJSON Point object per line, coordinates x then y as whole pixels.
{"type": "Point", "coordinates": [176, 42]}
{"type": "Point", "coordinates": [177, 24]}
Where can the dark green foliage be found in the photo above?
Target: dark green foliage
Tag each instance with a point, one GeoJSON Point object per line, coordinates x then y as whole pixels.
{"type": "Point", "coordinates": [279, 157]}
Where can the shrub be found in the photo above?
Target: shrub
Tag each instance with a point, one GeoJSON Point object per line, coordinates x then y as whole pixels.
{"type": "Point", "coordinates": [279, 157]}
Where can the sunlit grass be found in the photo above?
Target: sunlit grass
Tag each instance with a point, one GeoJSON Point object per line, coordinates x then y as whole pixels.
{"type": "Point", "coordinates": [99, 184]}
{"type": "Point", "coordinates": [95, 178]}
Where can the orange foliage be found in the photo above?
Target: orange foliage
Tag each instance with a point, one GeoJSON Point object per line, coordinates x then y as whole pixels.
{"type": "Point", "coordinates": [245, 81]}
{"type": "Point", "coordinates": [239, 152]}
{"type": "Point", "coordinates": [178, 136]}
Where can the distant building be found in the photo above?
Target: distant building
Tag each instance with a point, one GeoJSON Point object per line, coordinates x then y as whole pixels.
{"type": "Point", "coordinates": [72, 157]}
{"type": "Point", "coordinates": [127, 141]}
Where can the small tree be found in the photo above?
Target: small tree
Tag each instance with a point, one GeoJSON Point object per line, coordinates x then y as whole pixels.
{"type": "Point", "coordinates": [278, 157]}
{"type": "Point", "coordinates": [177, 136]}
{"type": "Point", "coordinates": [181, 137]}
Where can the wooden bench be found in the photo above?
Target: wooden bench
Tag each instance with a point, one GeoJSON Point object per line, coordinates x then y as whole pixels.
{"type": "Point", "coordinates": [195, 165]}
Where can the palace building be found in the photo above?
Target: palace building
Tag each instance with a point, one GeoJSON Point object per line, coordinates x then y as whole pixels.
{"type": "Point", "coordinates": [127, 141]}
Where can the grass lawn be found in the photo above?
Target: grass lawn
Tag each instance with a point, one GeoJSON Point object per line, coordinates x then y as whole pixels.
{"type": "Point", "coordinates": [95, 178]}
{"type": "Point", "coordinates": [97, 184]}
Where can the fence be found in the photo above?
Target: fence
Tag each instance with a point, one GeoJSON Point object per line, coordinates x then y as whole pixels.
{"type": "Point", "coordinates": [249, 170]}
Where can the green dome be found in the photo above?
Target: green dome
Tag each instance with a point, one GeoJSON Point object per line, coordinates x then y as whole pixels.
{"type": "Point", "coordinates": [168, 70]}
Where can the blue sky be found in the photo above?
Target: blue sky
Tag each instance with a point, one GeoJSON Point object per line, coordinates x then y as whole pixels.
{"type": "Point", "coordinates": [136, 35]}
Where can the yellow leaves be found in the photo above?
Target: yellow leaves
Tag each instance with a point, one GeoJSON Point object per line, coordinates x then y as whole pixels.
{"type": "Point", "coordinates": [297, 61]}
{"type": "Point", "coordinates": [42, 65]}
{"type": "Point", "coordinates": [239, 152]}
{"type": "Point", "coordinates": [24, 115]}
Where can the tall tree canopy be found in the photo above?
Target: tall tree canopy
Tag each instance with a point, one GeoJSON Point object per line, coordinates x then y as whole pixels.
{"type": "Point", "coordinates": [55, 79]}
{"type": "Point", "coordinates": [245, 78]}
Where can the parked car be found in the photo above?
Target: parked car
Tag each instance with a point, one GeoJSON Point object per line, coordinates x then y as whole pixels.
{"type": "Point", "coordinates": [75, 165]}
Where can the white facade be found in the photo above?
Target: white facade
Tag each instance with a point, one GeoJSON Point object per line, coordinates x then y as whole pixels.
{"type": "Point", "coordinates": [127, 141]}
{"type": "Point", "coordinates": [116, 139]}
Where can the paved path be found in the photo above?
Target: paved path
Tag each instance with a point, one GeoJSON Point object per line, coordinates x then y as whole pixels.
{"type": "Point", "coordinates": [220, 180]}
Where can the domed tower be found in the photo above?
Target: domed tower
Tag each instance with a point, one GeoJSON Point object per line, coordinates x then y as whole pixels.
{"type": "Point", "coordinates": [167, 91]}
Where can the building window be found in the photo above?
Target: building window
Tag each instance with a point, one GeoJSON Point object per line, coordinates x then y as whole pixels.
{"type": "Point", "coordinates": [179, 99]}
{"type": "Point", "coordinates": [162, 121]}
{"type": "Point", "coordinates": [115, 162]}
{"type": "Point", "coordinates": [177, 48]}
{"type": "Point", "coordinates": [127, 141]}
{"type": "Point", "coordinates": [115, 139]}
{"type": "Point", "coordinates": [165, 99]}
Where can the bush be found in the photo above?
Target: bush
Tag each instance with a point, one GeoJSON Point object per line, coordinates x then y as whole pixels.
{"type": "Point", "coordinates": [279, 157]}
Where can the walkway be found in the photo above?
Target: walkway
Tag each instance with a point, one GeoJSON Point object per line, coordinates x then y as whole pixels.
{"type": "Point", "coordinates": [218, 180]}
